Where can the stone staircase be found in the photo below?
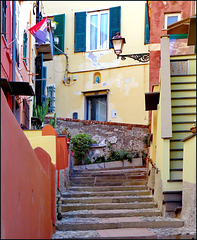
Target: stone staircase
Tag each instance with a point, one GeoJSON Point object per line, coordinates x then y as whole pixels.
{"type": "Point", "coordinates": [112, 204]}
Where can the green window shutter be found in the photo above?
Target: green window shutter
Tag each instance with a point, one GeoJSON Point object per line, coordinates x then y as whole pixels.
{"type": "Point", "coordinates": [147, 30]}
{"type": "Point", "coordinates": [59, 32]}
{"type": "Point", "coordinates": [114, 25]}
{"type": "Point", "coordinates": [25, 47]}
{"type": "Point", "coordinates": [80, 31]}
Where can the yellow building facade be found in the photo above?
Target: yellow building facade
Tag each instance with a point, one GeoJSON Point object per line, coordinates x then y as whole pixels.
{"type": "Point", "coordinates": [85, 79]}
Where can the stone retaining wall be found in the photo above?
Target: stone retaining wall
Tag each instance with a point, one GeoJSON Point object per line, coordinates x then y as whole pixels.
{"type": "Point", "coordinates": [119, 135]}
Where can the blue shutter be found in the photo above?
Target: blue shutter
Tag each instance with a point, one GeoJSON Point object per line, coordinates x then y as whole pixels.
{"type": "Point", "coordinates": [147, 30]}
{"type": "Point", "coordinates": [43, 84]}
{"type": "Point", "coordinates": [80, 32]}
{"type": "Point", "coordinates": [59, 32]}
{"type": "Point", "coordinates": [114, 26]}
{"type": "Point", "coordinates": [4, 6]}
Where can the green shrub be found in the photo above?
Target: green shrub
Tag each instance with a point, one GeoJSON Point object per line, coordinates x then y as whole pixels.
{"type": "Point", "coordinates": [81, 146]}
{"type": "Point", "coordinates": [100, 159]}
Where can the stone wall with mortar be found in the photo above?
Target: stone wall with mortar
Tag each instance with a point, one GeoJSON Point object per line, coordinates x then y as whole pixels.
{"type": "Point", "coordinates": [119, 135]}
{"type": "Point", "coordinates": [189, 204]}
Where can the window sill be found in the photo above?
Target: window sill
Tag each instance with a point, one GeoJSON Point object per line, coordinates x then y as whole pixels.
{"type": "Point", "coordinates": [98, 50]}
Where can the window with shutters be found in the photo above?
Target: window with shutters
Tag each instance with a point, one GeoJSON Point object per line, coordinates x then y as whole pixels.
{"type": "Point", "coordinates": [93, 30]}
{"type": "Point", "coordinates": [97, 30]}
{"type": "Point", "coordinates": [59, 33]}
{"type": "Point", "coordinates": [51, 96]}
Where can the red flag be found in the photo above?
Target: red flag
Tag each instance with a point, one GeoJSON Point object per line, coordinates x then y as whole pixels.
{"type": "Point", "coordinates": [39, 31]}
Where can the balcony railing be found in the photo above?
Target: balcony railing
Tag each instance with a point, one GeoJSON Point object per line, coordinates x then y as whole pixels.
{"type": "Point", "coordinates": [47, 47]}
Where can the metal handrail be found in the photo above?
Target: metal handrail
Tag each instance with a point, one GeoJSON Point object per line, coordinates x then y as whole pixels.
{"type": "Point", "coordinates": [151, 162]}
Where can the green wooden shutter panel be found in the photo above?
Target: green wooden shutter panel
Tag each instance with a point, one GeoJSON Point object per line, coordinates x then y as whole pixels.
{"type": "Point", "coordinates": [147, 31]}
{"type": "Point", "coordinates": [114, 26]}
{"type": "Point", "coordinates": [25, 47]}
{"type": "Point", "coordinates": [80, 32]}
{"type": "Point", "coordinates": [59, 32]}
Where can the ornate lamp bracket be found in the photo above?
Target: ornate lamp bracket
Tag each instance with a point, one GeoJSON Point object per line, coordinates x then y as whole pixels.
{"type": "Point", "coordinates": [141, 57]}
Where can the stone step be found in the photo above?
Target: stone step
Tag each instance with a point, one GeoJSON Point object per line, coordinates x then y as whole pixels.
{"type": "Point", "coordinates": [107, 188]}
{"type": "Point", "coordinates": [74, 194]}
{"type": "Point", "coordinates": [102, 206]}
{"type": "Point", "coordinates": [110, 173]}
{"type": "Point", "coordinates": [73, 224]}
{"type": "Point", "coordinates": [142, 167]}
{"type": "Point", "coordinates": [117, 199]}
{"type": "Point", "coordinates": [121, 233]}
{"type": "Point", "coordinates": [113, 213]}
{"type": "Point", "coordinates": [112, 183]}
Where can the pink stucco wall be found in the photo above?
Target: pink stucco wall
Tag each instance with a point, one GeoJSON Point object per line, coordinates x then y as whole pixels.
{"type": "Point", "coordinates": [25, 183]}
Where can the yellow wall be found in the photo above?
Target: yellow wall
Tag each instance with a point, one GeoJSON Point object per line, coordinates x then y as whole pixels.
{"type": "Point", "coordinates": [189, 163]}
{"type": "Point", "coordinates": [32, 133]}
{"type": "Point", "coordinates": [48, 143]}
{"type": "Point", "coordinates": [127, 80]}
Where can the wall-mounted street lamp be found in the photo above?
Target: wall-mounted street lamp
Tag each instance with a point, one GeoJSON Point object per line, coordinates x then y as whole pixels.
{"type": "Point", "coordinates": [118, 43]}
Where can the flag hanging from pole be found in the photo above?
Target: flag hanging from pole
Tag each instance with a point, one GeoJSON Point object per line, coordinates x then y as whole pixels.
{"type": "Point", "coordinates": [39, 31]}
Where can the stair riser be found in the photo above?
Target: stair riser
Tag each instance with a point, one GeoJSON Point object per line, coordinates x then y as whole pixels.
{"type": "Point", "coordinates": [108, 174]}
{"type": "Point", "coordinates": [110, 188]}
{"type": "Point", "coordinates": [142, 167]}
{"type": "Point", "coordinates": [107, 184]}
{"type": "Point", "coordinates": [104, 178]}
{"type": "Point", "coordinates": [100, 226]}
{"type": "Point", "coordinates": [107, 194]}
{"type": "Point", "coordinates": [110, 215]}
{"type": "Point", "coordinates": [107, 207]}
{"type": "Point", "coordinates": [107, 200]}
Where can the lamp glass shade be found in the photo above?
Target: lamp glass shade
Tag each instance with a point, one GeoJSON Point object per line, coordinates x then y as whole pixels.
{"type": "Point", "coordinates": [118, 45]}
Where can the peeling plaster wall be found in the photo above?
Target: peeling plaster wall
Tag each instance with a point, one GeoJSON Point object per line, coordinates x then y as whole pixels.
{"type": "Point", "coordinates": [127, 80]}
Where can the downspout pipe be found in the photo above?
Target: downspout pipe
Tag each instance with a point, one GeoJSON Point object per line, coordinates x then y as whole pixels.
{"type": "Point", "coordinates": [13, 47]}
{"type": "Point", "coordinates": [13, 38]}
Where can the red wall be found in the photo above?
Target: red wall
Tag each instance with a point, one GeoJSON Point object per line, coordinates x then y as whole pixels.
{"type": "Point", "coordinates": [6, 61]}
{"type": "Point", "coordinates": [157, 9]}
{"type": "Point", "coordinates": [25, 185]}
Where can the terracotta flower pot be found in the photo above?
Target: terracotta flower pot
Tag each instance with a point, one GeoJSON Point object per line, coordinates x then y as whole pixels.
{"type": "Point", "coordinates": [193, 129]}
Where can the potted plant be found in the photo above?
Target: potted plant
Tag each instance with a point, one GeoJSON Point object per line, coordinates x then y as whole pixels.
{"type": "Point", "coordinates": [193, 128]}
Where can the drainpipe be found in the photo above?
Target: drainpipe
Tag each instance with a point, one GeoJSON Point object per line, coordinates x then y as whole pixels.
{"type": "Point", "coordinates": [13, 47]}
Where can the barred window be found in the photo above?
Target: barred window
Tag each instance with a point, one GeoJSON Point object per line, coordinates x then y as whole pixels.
{"type": "Point", "coordinates": [51, 96]}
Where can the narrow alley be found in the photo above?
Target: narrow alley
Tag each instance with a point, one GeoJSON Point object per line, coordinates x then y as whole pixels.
{"type": "Point", "coordinates": [114, 203]}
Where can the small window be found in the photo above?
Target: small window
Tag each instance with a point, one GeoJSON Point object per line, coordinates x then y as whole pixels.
{"type": "Point", "coordinates": [97, 30]}
{"type": "Point", "coordinates": [51, 96]}
{"type": "Point", "coordinates": [171, 18]}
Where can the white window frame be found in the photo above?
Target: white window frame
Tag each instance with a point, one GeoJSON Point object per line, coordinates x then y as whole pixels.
{"type": "Point", "coordinates": [99, 47]}
{"type": "Point", "coordinates": [171, 15]}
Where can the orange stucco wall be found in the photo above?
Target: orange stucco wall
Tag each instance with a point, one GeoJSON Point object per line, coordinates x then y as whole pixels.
{"type": "Point", "coordinates": [25, 185]}
{"type": "Point", "coordinates": [61, 149]}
